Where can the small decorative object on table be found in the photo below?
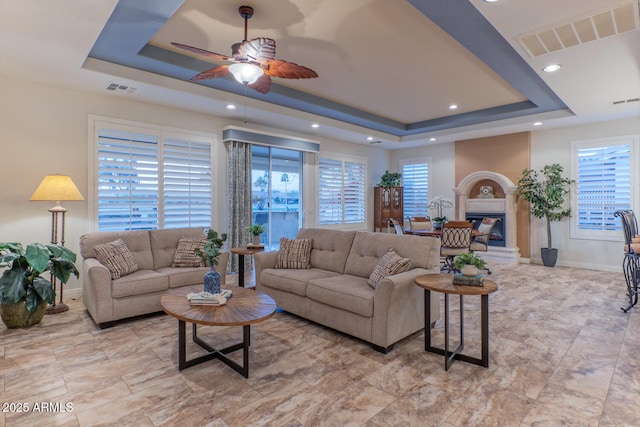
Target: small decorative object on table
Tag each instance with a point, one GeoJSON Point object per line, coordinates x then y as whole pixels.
{"type": "Point", "coordinates": [209, 255]}
{"type": "Point", "coordinates": [438, 203]}
{"type": "Point", "coordinates": [255, 230]}
{"type": "Point", "coordinates": [207, 298]}
{"type": "Point", "coordinates": [468, 265]}
{"type": "Point", "coordinates": [462, 279]}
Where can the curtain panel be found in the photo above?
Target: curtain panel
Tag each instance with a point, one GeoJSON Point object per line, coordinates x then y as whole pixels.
{"type": "Point", "coordinates": [239, 191]}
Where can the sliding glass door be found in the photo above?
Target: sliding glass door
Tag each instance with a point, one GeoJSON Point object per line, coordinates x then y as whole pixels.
{"type": "Point", "coordinates": [276, 177]}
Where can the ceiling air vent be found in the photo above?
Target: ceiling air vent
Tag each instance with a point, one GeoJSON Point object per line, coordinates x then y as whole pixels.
{"type": "Point", "coordinates": [604, 23]}
{"type": "Point", "coordinates": [375, 142]}
{"type": "Point", "coordinates": [115, 87]}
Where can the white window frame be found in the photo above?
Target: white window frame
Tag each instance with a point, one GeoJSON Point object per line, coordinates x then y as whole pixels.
{"type": "Point", "coordinates": [421, 160]}
{"type": "Point", "coordinates": [343, 158]}
{"type": "Point", "coordinates": [96, 122]}
{"type": "Point", "coordinates": [632, 141]}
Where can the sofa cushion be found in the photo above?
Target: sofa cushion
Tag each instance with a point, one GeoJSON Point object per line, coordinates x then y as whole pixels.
{"type": "Point", "coordinates": [330, 247]}
{"type": "Point", "coordinates": [136, 240]}
{"type": "Point", "coordinates": [139, 282]}
{"type": "Point", "coordinates": [294, 281]}
{"type": "Point", "coordinates": [294, 254]}
{"type": "Point", "coordinates": [117, 257]}
{"type": "Point", "coordinates": [184, 276]}
{"type": "Point", "coordinates": [185, 255]}
{"type": "Point", "coordinates": [163, 244]}
{"type": "Point", "coordinates": [351, 293]}
{"type": "Point", "coordinates": [369, 247]}
{"type": "Point", "coordinates": [391, 263]}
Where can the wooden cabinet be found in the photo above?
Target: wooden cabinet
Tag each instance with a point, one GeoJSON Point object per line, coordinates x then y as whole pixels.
{"type": "Point", "coordinates": [387, 205]}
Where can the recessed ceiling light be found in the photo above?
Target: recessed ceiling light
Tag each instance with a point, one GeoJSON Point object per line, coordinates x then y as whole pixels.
{"type": "Point", "coordinates": [432, 139]}
{"type": "Point", "coordinates": [537, 123]}
{"type": "Point", "coordinates": [551, 68]}
{"type": "Point", "coordinates": [230, 107]}
{"type": "Point", "coordinates": [453, 106]}
{"type": "Point", "coordinates": [490, 1]}
{"type": "Point", "coordinates": [315, 125]}
{"type": "Point", "coordinates": [369, 138]}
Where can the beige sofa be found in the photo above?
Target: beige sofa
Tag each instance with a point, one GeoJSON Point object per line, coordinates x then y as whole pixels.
{"type": "Point", "coordinates": [334, 291]}
{"type": "Point", "coordinates": [137, 293]}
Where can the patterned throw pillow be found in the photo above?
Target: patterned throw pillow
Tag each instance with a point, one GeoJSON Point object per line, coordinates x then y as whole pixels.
{"type": "Point", "coordinates": [185, 255]}
{"type": "Point", "coordinates": [391, 263]}
{"type": "Point", "coordinates": [117, 257]}
{"type": "Point", "coordinates": [294, 253]}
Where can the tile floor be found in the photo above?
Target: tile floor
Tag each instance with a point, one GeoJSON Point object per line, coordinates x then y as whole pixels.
{"type": "Point", "coordinates": [562, 353]}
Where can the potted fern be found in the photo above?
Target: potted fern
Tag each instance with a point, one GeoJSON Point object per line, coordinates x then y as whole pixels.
{"type": "Point", "coordinates": [24, 293]}
{"type": "Point", "coordinates": [469, 264]}
{"type": "Point", "coordinates": [545, 190]}
{"type": "Point", "coordinates": [255, 230]}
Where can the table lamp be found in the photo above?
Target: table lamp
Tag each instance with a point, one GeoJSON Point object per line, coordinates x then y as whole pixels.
{"type": "Point", "coordinates": [57, 188]}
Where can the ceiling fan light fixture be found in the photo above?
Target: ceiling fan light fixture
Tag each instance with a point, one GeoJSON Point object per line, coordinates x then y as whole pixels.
{"type": "Point", "coordinates": [246, 73]}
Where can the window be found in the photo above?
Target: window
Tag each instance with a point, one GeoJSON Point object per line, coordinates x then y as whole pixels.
{"type": "Point", "coordinates": [149, 179]}
{"type": "Point", "coordinates": [341, 191]}
{"type": "Point", "coordinates": [415, 180]}
{"type": "Point", "coordinates": [604, 185]}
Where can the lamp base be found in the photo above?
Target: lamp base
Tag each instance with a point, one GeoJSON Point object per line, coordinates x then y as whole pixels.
{"type": "Point", "coordinates": [57, 308]}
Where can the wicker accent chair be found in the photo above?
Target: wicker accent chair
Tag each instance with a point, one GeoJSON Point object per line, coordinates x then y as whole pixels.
{"type": "Point", "coordinates": [455, 240]}
{"type": "Point", "coordinates": [480, 243]}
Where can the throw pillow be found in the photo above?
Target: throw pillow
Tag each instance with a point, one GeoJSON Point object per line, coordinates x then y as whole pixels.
{"type": "Point", "coordinates": [295, 254]}
{"type": "Point", "coordinates": [391, 263]}
{"type": "Point", "coordinates": [117, 257]}
{"type": "Point", "coordinates": [185, 255]}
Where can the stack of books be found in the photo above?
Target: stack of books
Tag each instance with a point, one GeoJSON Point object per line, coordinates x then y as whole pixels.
{"type": "Point", "coordinates": [206, 298]}
{"type": "Point", "coordinates": [461, 279]}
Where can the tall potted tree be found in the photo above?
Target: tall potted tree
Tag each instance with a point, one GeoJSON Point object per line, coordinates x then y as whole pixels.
{"type": "Point", "coordinates": [545, 190]}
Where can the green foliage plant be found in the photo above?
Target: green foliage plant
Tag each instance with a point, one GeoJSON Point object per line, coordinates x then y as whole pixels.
{"type": "Point", "coordinates": [390, 179]}
{"type": "Point", "coordinates": [255, 229]}
{"type": "Point", "coordinates": [545, 190]}
{"type": "Point", "coordinates": [209, 254]}
{"type": "Point", "coordinates": [469, 259]}
{"type": "Point", "coordinates": [23, 268]}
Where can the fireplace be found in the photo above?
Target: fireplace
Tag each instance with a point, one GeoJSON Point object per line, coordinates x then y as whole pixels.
{"type": "Point", "coordinates": [497, 233]}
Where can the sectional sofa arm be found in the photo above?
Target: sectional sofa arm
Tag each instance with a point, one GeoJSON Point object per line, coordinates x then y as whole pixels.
{"type": "Point", "coordinates": [96, 290]}
{"type": "Point", "coordinates": [264, 260]}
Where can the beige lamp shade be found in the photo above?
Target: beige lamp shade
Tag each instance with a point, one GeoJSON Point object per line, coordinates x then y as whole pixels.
{"type": "Point", "coordinates": [57, 188]}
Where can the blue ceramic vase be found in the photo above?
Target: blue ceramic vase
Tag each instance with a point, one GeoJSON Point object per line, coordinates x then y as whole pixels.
{"type": "Point", "coordinates": [212, 282]}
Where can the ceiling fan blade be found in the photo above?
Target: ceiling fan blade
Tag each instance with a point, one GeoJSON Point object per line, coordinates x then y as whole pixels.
{"type": "Point", "coordinates": [212, 73]}
{"type": "Point", "coordinates": [288, 70]}
{"type": "Point", "coordinates": [259, 50]}
{"type": "Point", "coordinates": [262, 85]}
{"type": "Point", "coordinates": [202, 52]}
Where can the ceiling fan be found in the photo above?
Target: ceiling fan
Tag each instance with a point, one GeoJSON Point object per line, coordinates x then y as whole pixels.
{"type": "Point", "coordinates": [253, 60]}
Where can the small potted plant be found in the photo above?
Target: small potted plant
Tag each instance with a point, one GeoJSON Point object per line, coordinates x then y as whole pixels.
{"type": "Point", "coordinates": [209, 256]}
{"type": "Point", "coordinates": [390, 179]}
{"type": "Point", "coordinates": [255, 230]}
{"type": "Point", "coordinates": [439, 203]}
{"type": "Point", "coordinates": [24, 293]}
{"type": "Point", "coordinates": [469, 264]}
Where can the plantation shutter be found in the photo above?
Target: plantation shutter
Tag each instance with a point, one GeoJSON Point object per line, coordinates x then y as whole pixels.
{"type": "Point", "coordinates": [330, 192]}
{"type": "Point", "coordinates": [604, 186]}
{"type": "Point", "coordinates": [415, 180]}
{"type": "Point", "coordinates": [127, 181]}
{"type": "Point", "coordinates": [187, 185]}
{"type": "Point", "coordinates": [354, 200]}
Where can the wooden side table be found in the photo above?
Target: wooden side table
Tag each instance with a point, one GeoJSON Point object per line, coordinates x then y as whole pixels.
{"type": "Point", "coordinates": [444, 283]}
{"type": "Point", "coordinates": [241, 252]}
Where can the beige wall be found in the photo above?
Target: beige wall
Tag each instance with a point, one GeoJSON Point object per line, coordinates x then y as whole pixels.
{"type": "Point", "coordinates": [44, 130]}
{"type": "Point", "coordinates": [504, 154]}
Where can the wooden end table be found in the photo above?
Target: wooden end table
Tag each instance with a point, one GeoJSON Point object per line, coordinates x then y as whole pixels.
{"type": "Point", "coordinates": [444, 283]}
{"type": "Point", "coordinates": [241, 252]}
{"type": "Point", "coordinates": [244, 308]}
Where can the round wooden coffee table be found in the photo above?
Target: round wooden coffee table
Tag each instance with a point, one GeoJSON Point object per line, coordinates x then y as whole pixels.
{"type": "Point", "coordinates": [244, 308]}
{"type": "Point", "coordinates": [444, 283]}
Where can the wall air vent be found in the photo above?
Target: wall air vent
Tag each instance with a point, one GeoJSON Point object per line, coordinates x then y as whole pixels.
{"type": "Point", "coordinates": [625, 101]}
{"type": "Point", "coordinates": [115, 87]}
{"type": "Point", "coordinates": [604, 23]}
